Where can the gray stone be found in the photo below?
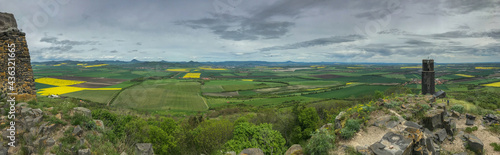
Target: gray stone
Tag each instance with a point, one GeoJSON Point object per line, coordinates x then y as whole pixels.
{"type": "Point", "coordinates": [433, 119]}
{"type": "Point", "coordinates": [470, 119]}
{"type": "Point", "coordinates": [78, 131]}
{"type": "Point", "coordinates": [413, 124]}
{"type": "Point", "coordinates": [338, 122]}
{"type": "Point", "coordinates": [252, 151]}
{"type": "Point", "coordinates": [123, 153]}
{"type": "Point", "coordinates": [3, 150]}
{"type": "Point", "coordinates": [441, 135]}
{"type": "Point", "coordinates": [144, 149]}
{"type": "Point", "coordinates": [7, 21]}
{"type": "Point", "coordinates": [451, 126]}
{"type": "Point", "coordinates": [49, 142]}
{"type": "Point", "coordinates": [455, 114]}
{"type": "Point", "coordinates": [38, 119]}
{"type": "Point", "coordinates": [474, 143]}
{"type": "Point", "coordinates": [99, 124]}
{"type": "Point", "coordinates": [429, 143]}
{"type": "Point", "coordinates": [25, 111]}
{"type": "Point", "coordinates": [83, 111]}
{"type": "Point", "coordinates": [392, 143]}
{"type": "Point", "coordinates": [463, 153]}
{"type": "Point", "coordinates": [84, 152]}
{"type": "Point", "coordinates": [293, 148]}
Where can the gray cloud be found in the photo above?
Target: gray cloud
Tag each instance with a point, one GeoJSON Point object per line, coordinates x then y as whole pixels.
{"type": "Point", "coordinates": [468, 6]}
{"type": "Point", "coordinates": [418, 42]}
{"type": "Point", "coordinates": [113, 51]}
{"type": "Point", "coordinates": [315, 42]}
{"type": "Point", "coordinates": [138, 43]}
{"type": "Point", "coordinates": [56, 41]}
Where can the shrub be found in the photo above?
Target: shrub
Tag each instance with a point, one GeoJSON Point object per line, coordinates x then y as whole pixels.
{"type": "Point", "coordinates": [79, 119]}
{"type": "Point", "coordinates": [247, 135]}
{"type": "Point", "coordinates": [425, 107]}
{"type": "Point", "coordinates": [470, 130]}
{"type": "Point", "coordinates": [347, 133]}
{"type": "Point", "coordinates": [320, 143]}
{"type": "Point", "coordinates": [394, 118]}
{"type": "Point", "coordinates": [351, 127]}
{"type": "Point", "coordinates": [458, 108]}
{"type": "Point", "coordinates": [495, 128]}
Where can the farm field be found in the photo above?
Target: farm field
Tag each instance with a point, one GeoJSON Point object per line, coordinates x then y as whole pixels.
{"type": "Point", "coordinates": [186, 87]}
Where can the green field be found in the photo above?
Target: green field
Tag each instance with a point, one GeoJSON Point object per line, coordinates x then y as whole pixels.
{"type": "Point", "coordinates": [162, 95]}
{"type": "Point", "coordinates": [99, 96]}
{"type": "Point", "coordinates": [353, 91]}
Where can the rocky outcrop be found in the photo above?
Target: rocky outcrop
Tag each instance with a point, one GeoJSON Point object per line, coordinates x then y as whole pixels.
{"type": "Point", "coordinates": [295, 149]}
{"type": "Point", "coordinates": [83, 111]}
{"type": "Point", "coordinates": [473, 143]}
{"type": "Point", "coordinates": [470, 119]}
{"type": "Point", "coordinates": [490, 119]}
{"type": "Point", "coordinates": [392, 143]}
{"type": "Point", "coordinates": [12, 38]}
{"type": "Point", "coordinates": [84, 152]}
{"type": "Point", "coordinates": [252, 151]}
{"type": "Point", "coordinates": [144, 149]}
{"type": "Point", "coordinates": [434, 119]}
{"type": "Point", "coordinates": [338, 121]}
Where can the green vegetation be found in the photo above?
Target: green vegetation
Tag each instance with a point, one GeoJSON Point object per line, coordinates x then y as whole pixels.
{"type": "Point", "coordinates": [495, 146]}
{"type": "Point", "coordinates": [470, 130]}
{"type": "Point", "coordinates": [247, 135]}
{"type": "Point", "coordinates": [458, 108]}
{"type": "Point", "coordinates": [352, 126]}
{"type": "Point", "coordinates": [320, 143]}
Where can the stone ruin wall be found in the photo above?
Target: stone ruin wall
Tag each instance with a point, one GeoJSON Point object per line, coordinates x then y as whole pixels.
{"type": "Point", "coordinates": [25, 84]}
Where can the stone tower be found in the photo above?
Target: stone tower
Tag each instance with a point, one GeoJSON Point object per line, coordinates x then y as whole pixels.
{"type": "Point", "coordinates": [428, 79]}
{"type": "Point", "coordinates": [24, 84]}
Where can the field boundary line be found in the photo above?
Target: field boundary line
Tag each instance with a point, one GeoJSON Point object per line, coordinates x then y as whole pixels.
{"type": "Point", "coordinates": [121, 90]}
{"type": "Point", "coordinates": [203, 100]}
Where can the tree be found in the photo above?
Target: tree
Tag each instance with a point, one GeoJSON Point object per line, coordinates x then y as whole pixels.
{"type": "Point", "coordinates": [308, 121]}
{"type": "Point", "coordinates": [247, 135]}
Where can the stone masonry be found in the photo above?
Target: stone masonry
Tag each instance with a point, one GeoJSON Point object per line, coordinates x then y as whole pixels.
{"type": "Point", "coordinates": [9, 34]}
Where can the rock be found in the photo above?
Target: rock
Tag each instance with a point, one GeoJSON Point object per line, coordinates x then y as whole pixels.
{"type": "Point", "coordinates": [490, 119]}
{"type": "Point", "coordinates": [431, 147]}
{"type": "Point", "coordinates": [413, 124]}
{"type": "Point", "coordinates": [433, 119]}
{"type": "Point", "coordinates": [25, 111]}
{"type": "Point", "coordinates": [252, 151]}
{"type": "Point", "coordinates": [77, 131]}
{"type": "Point", "coordinates": [463, 153]}
{"type": "Point", "coordinates": [84, 152]}
{"type": "Point", "coordinates": [37, 112]}
{"type": "Point", "coordinates": [144, 149]}
{"type": "Point", "coordinates": [338, 122]}
{"type": "Point", "coordinates": [49, 142]}
{"type": "Point", "coordinates": [123, 153]}
{"type": "Point", "coordinates": [392, 143]}
{"type": "Point", "coordinates": [7, 21]}
{"type": "Point", "coordinates": [441, 135]}
{"type": "Point", "coordinates": [22, 105]}
{"type": "Point", "coordinates": [38, 119]}
{"type": "Point", "coordinates": [293, 148]}
{"type": "Point", "coordinates": [474, 143]}
{"type": "Point", "coordinates": [327, 126]}
{"type": "Point", "coordinates": [470, 119]}
{"type": "Point", "coordinates": [439, 94]}
{"type": "Point", "coordinates": [451, 126]}
{"type": "Point", "coordinates": [59, 116]}
{"type": "Point", "coordinates": [83, 111]}
{"type": "Point", "coordinates": [3, 150]}
{"type": "Point", "coordinates": [455, 114]}
{"type": "Point", "coordinates": [363, 150]}
{"type": "Point", "coordinates": [385, 121]}
{"type": "Point", "coordinates": [99, 124]}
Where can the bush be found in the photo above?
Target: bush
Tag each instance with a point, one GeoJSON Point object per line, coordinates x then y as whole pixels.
{"type": "Point", "coordinates": [79, 119]}
{"type": "Point", "coordinates": [458, 108]}
{"type": "Point", "coordinates": [495, 128]}
{"type": "Point", "coordinates": [351, 127]}
{"type": "Point", "coordinates": [424, 107]}
{"type": "Point", "coordinates": [320, 143]}
{"type": "Point", "coordinates": [470, 130]}
{"type": "Point", "coordinates": [247, 135]}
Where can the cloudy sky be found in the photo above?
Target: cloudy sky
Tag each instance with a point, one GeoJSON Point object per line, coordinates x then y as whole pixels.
{"type": "Point", "coordinates": [264, 30]}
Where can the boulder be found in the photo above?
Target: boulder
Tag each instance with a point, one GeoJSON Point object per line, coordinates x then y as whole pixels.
{"type": "Point", "coordinates": [338, 122]}
{"type": "Point", "coordinates": [77, 131]}
{"type": "Point", "coordinates": [84, 152]}
{"type": "Point", "coordinates": [392, 143]}
{"type": "Point", "coordinates": [474, 143]}
{"type": "Point", "coordinates": [364, 150]}
{"type": "Point", "coordinates": [83, 111]}
{"type": "Point", "coordinates": [455, 114]}
{"type": "Point", "coordinates": [490, 119]}
{"type": "Point", "coordinates": [441, 135]}
{"type": "Point", "coordinates": [385, 121]}
{"type": "Point", "coordinates": [293, 148]}
{"type": "Point", "coordinates": [49, 142]}
{"type": "Point", "coordinates": [433, 119]}
{"type": "Point", "coordinates": [99, 124]}
{"type": "Point", "coordinates": [38, 119]}
{"type": "Point", "coordinates": [413, 124]}
{"type": "Point", "coordinates": [252, 151]}
{"type": "Point", "coordinates": [470, 119]}
{"type": "Point", "coordinates": [37, 112]}
{"type": "Point", "coordinates": [144, 149]}
{"type": "Point", "coordinates": [451, 126]}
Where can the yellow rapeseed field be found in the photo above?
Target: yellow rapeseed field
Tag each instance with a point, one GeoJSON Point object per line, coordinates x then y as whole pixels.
{"type": "Point", "coordinates": [487, 67]}
{"type": "Point", "coordinates": [63, 86]}
{"type": "Point", "coordinates": [192, 75]}
{"type": "Point", "coordinates": [496, 84]}
{"type": "Point", "coordinates": [246, 80]}
{"type": "Point", "coordinates": [178, 70]}
{"type": "Point", "coordinates": [58, 82]}
{"type": "Point", "coordinates": [95, 65]}
{"type": "Point", "coordinates": [355, 67]}
{"type": "Point", "coordinates": [464, 75]}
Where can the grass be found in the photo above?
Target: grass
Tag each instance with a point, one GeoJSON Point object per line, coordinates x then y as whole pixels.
{"type": "Point", "coordinates": [100, 96]}
{"type": "Point", "coordinates": [162, 95]}
{"type": "Point", "coordinates": [349, 91]}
